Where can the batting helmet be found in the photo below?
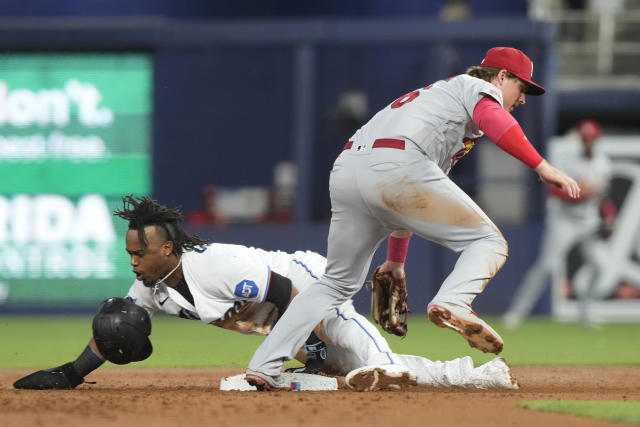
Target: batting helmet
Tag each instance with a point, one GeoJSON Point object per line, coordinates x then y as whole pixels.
{"type": "Point", "coordinates": [121, 331]}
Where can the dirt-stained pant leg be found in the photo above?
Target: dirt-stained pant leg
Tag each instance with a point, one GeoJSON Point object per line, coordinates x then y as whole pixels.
{"type": "Point", "coordinates": [407, 190]}
{"type": "Point", "coordinates": [361, 344]}
{"type": "Point", "coordinates": [357, 338]}
{"type": "Point", "coordinates": [456, 372]}
{"type": "Point", "coordinates": [374, 191]}
{"type": "Point", "coordinates": [353, 341]}
{"type": "Point", "coordinates": [354, 235]}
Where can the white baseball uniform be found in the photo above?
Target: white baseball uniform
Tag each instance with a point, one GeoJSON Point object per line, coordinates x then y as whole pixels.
{"type": "Point", "coordinates": [229, 284]}
{"type": "Point", "coordinates": [567, 222]}
{"type": "Point", "coordinates": [393, 175]}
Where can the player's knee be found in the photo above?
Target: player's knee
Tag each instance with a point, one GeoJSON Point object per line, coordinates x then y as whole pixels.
{"type": "Point", "coordinates": [502, 247]}
{"type": "Point", "coordinates": [495, 245]}
{"type": "Point", "coordinates": [499, 250]}
{"type": "Point", "coordinates": [340, 288]}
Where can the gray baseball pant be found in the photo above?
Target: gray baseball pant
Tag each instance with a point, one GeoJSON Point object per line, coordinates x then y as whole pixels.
{"type": "Point", "coordinates": [373, 192]}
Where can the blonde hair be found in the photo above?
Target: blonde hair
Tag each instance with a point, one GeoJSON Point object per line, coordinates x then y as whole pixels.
{"type": "Point", "coordinates": [486, 73]}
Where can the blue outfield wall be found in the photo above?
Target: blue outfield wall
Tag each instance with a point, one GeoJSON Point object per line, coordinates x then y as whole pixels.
{"type": "Point", "coordinates": [232, 98]}
{"type": "Point", "coordinates": [426, 267]}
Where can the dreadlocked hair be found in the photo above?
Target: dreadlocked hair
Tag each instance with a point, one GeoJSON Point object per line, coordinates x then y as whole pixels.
{"type": "Point", "coordinates": [144, 211]}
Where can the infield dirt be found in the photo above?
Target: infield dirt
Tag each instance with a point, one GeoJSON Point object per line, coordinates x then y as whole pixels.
{"type": "Point", "coordinates": [190, 397]}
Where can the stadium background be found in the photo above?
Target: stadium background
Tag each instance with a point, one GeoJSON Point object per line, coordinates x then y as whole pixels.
{"type": "Point", "coordinates": [239, 108]}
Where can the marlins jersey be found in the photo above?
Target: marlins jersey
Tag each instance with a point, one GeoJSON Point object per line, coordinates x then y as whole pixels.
{"type": "Point", "coordinates": [438, 118]}
{"type": "Point", "coordinates": [229, 284]}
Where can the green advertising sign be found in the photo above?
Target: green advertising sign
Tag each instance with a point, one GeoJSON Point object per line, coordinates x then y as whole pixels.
{"type": "Point", "coordinates": [74, 138]}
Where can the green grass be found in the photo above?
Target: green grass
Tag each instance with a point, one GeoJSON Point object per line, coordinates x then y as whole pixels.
{"type": "Point", "coordinates": [39, 342]}
{"type": "Point", "coordinates": [621, 411]}
{"type": "Point", "coordinates": [539, 341]}
{"type": "Point", "coordinates": [43, 341]}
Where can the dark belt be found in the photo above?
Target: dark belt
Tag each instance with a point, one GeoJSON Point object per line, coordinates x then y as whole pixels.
{"type": "Point", "coordinates": [381, 143]}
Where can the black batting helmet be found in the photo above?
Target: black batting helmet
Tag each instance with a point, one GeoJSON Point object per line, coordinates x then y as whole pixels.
{"type": "Point", "coordinates": [121, 331]}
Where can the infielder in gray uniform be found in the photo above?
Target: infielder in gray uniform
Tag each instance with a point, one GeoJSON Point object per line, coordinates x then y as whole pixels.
{"type": "Point", "coordinates": [391, 181]}
{"type": "Point", "coordinates": [245, 290]}
{"type": "Point", "coordinates": [568, 220]}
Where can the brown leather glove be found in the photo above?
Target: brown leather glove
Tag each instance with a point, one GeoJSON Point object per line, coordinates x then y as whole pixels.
{"type": "Point", "coordinates": [389, 302]}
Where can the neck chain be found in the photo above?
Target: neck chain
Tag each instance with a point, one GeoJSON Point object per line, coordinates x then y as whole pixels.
{"type": "Point", "coordinates": [155, 286]}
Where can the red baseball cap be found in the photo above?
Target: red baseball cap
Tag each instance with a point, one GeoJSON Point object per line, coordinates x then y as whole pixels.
{"type": "Point", "coordinates": [515, 62]}
{"type": "Point", "coordinates": [589, 129]}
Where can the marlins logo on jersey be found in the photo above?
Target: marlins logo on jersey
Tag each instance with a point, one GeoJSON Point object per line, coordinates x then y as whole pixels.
{"type": "Point", "coordinates": [246, 289]}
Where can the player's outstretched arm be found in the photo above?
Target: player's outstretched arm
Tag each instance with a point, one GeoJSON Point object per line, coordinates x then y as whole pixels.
{"type": "Point", "coordinates": [551, 175]}
{"type": "Point", "coordinates": [507, 134]}
{"type": "Point", "coordinates": [121, 332]}
{"type": "Point", "coordinates": [66, 376]}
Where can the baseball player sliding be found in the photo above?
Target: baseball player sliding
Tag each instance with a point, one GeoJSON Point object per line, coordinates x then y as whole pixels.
{"type": "Point", "coordinates": [391, 180]}
{"type": "Point", "coordinates": [246, 290]}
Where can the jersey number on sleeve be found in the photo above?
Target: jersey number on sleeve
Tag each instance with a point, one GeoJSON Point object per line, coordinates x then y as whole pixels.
{"type": "Point", "coordinates": [407, 98]}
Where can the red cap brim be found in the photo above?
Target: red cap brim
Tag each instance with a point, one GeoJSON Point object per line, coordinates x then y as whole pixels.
{"type": "Point", "coordinates": [533, 88]}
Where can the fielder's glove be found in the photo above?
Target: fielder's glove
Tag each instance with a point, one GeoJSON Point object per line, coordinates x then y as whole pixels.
{"type": "Point", "coordinates": [389, 302]}
{"type": "Point", "coordinates": [60, 378]}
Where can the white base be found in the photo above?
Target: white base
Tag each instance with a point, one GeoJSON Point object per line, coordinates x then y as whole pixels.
{"type": "Point", "coordinates": [302, 382]}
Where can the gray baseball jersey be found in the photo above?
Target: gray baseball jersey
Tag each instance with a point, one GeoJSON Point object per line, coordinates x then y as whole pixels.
{"type": "Point", "coordinates": [567, 222]}
{"type": "Point", "coordinates": [437, 118]}
{"type": "Point", "coordinates": [392, 176]}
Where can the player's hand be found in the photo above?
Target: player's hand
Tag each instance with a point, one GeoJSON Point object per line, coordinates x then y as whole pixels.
{"type": "Point", "coordinates": [63, 377]}
{"type": "Point", "coordinates": [551, 175]}
{"type": "Point", "coordinates": [395, 268]}
{"type": "Point", "coordinates": [389, 300]}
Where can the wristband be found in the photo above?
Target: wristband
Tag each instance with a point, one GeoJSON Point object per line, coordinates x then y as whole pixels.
{"type": "Point", "coordinates": [397, 248]}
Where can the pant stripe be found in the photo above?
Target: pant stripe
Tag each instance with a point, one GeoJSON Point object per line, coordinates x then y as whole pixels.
{"type": "Point", "coordinates": [366, 332]}
{"type": "Point", "coordinates": [306, 268]}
